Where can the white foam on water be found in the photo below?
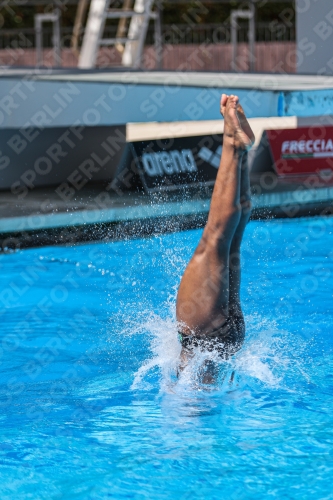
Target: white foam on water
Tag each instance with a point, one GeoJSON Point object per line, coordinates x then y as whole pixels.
{"type": "Point", "coordinates": [266, 357]}
{"type": "Point", "coordinates": [164, 347]}
{"type": "Point", "coordinates": [271, 355]}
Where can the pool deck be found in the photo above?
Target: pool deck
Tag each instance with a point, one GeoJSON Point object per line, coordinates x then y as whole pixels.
{"type": "Point", "coordinates": [42, 218]}
{"type": "Point", "coordinates": [259, 81]}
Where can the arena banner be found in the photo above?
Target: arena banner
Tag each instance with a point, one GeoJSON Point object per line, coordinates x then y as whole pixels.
{"type": "Point", "coordinates": [171, 164]}
{"type": "Point", "coordinates": [302, 151]}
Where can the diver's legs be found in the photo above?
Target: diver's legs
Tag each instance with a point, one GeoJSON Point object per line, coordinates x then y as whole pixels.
{"type": "Point", "coordinates": [203, 296]}
{"type": "Point", "coordinates": [234, 255]}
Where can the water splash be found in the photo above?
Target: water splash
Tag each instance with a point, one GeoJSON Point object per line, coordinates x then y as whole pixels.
{"type": "Point", "coordinates": [269, 357]}
{"type": "Point", "coordinates": [164, 347]}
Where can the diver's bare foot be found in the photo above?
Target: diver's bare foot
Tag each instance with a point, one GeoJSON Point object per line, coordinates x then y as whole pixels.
{"type": "Point", "coordinates": [245, 124]}
{"type": "Point", "coordinates": [237, 130]}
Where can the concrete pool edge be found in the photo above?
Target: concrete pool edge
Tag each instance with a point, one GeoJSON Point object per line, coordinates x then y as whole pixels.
{"type": "Point", "coordinates": [148, 217]}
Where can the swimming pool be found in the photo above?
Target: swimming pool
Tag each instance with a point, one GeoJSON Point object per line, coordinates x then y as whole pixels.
{"type": "Point", "coordinates": [92, 408]}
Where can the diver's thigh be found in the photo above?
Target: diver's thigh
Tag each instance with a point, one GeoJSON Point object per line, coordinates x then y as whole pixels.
{"type": "Point", "coordinates": [203, 295]}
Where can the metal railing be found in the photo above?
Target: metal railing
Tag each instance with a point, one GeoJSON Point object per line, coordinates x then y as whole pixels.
{"type": "Point", "coordinates": [235, 26]}
{"type": "Point", "coordinates": [40, 19]}
{"type": "Point", "coordinates": [171, 34]}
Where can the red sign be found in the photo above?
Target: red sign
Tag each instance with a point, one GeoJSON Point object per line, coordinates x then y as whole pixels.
{"type": "Point", "coordinates": [302, 152]}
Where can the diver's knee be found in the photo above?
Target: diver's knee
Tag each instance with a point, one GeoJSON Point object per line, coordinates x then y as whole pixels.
{"type": "Point", "coordinates": [220, 231]}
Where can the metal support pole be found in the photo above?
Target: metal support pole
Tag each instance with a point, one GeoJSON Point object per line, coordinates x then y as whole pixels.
{"type": "Point", "coordinates": [93, 33]}
{"type": "Point", "coordinates": [243, 14]}
{"type": "Point", "coordinates": [54, 18]}
{"type": "Point", "coordinates": [38, 33]}
{"type": "Point", "coordinates": [56, 38]}
{"type": "Point", "coordinates": [252, 37]}
{"type": "Point", "coordinates": [234, 27]}
{"type": "Point", "coordinates": [158, 36]}
{"type": "Point", "coordinates": [136, 33]}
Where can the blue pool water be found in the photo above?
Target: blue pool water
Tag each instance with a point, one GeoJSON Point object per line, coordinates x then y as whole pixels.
{"type": "Point", "coordinates": [90, 404]}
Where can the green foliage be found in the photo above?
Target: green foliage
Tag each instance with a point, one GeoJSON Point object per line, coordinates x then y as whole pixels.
{"type": "Point", "coordinates": [215, 12]}
{"type": "Point", "coordinates": [21, 16]}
